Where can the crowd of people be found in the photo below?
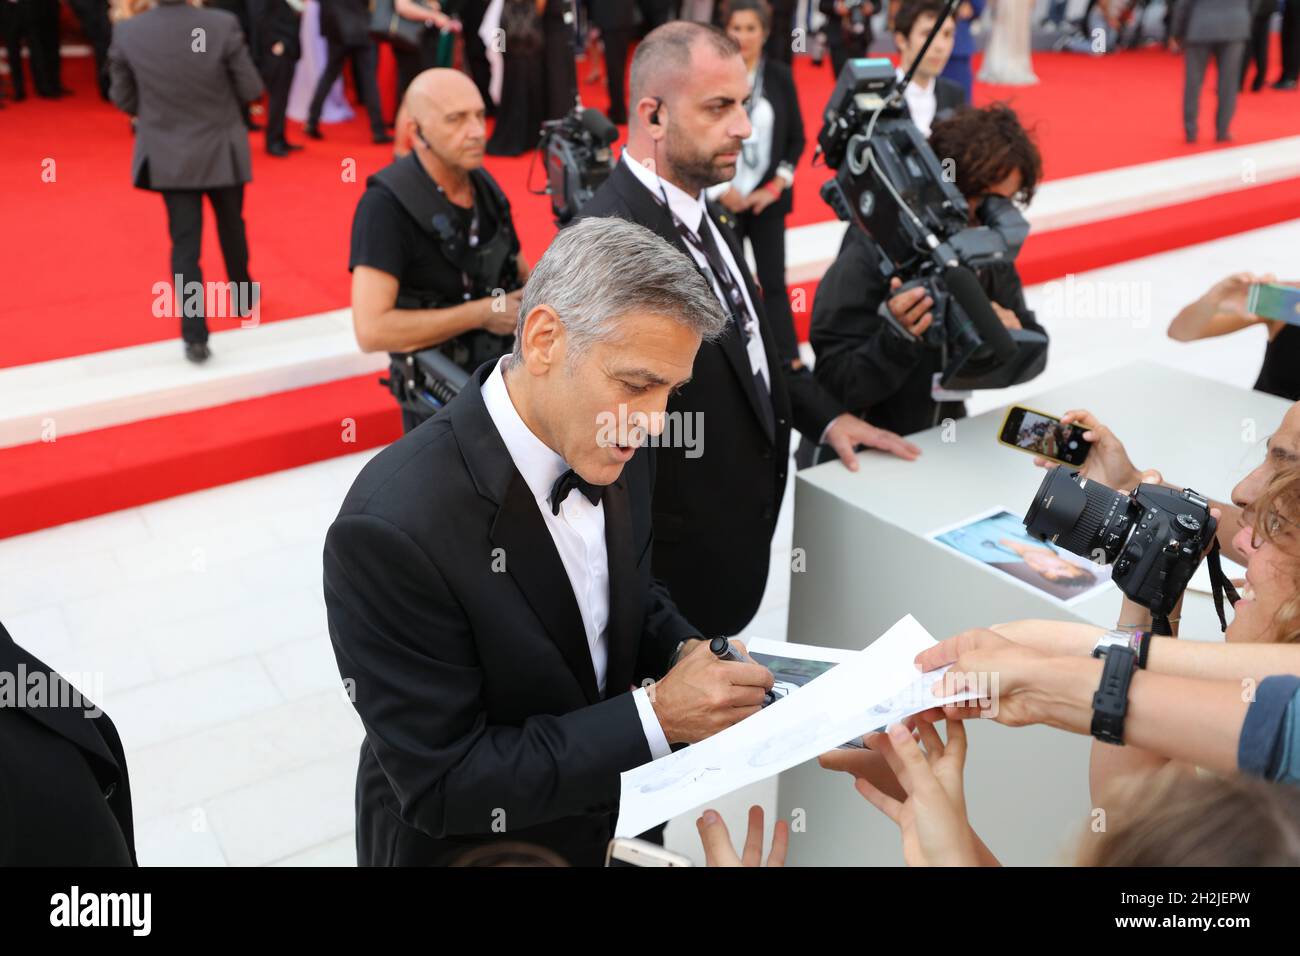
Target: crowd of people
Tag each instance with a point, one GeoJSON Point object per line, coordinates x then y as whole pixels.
{"type": "Point", "coordinates": [529, 691]}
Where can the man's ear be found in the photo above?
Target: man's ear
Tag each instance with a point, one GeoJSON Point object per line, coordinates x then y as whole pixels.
{"type": "Point", "coordinates": [543, 341]}
{"type": "Point", "coordinates": [653, 114]}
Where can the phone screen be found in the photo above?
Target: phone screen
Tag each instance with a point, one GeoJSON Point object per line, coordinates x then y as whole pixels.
{"type": "Point", "coordinates": [1044, 435]}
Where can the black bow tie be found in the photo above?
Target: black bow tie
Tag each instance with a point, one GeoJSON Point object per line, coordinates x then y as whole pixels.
{"type": "Point", "coordinates": [566, 483]}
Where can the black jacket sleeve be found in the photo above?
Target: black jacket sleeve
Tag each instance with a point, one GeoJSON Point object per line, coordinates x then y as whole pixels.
{"type": "Point", "coordinates": [861, 359]}
{"type": "Point", "coordinates": [402, 641]}
{"type": "Point", "coordinates": [795, 139]}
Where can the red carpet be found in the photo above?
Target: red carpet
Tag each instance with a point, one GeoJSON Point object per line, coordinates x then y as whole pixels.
{"type": "Point", "coordinates": [83, 264]}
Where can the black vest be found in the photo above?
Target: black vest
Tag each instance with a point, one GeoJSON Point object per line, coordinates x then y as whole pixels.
{"type": "Point", "coordinates": [489, 266]}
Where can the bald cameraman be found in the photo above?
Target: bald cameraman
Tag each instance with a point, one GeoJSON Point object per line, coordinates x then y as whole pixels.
{"type": "Point", "coordinates": [435, 259]}
{"type": "Point", "coordinates": [886, 375]}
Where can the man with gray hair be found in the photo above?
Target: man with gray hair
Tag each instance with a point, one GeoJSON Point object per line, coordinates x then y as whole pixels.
{"type": "Point", "coordinates": [489, 624]}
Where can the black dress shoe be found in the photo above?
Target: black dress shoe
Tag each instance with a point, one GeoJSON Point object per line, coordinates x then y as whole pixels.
{"type": "Point", "coordinates": [1257, 84]}
{"type": "Point", "coordinates": [311, 131]}
{"type": "Point", "coordinates": [1284, 84]}
{"type": "Point", "coordinates": [197, 352]}
{"type": "Point", "coordinates": [277, 149]}
{"type": "Point", "coordinates": [293, 146]}
{"type": "Point", "coordinates": [380, 138]}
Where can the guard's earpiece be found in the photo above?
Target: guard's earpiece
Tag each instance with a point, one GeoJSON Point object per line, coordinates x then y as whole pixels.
{"type": "Point", "coordinates": [654, 117]}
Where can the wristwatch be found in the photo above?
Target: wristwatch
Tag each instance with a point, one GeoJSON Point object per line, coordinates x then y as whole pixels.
{"type": "Point", "coordinates": [1110, 702]}
{"type": "Point", "coordinates": [1137, 641]}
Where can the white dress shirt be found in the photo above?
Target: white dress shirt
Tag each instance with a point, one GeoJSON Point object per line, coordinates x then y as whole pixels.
{"type": "Point", "coordinates": [921, 101]}
{"type": "Point", "coordinates": [579, 535]}
{"type": "Point", "coordinates": [691, 211]}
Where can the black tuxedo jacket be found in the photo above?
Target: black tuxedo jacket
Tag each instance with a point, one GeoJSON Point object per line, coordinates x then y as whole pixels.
{"type": "Point", "coordinates": [458, 636]}
{"type": "Point", "coordinates": [714, 514]}
{"type": "Point", "coordinates": [65, 799]}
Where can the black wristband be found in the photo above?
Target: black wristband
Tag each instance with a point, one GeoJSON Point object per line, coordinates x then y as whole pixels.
{"type": "Point", "coordinates": [1110, 702]}
{"type": "Point", "coordinates": [1143, 639]}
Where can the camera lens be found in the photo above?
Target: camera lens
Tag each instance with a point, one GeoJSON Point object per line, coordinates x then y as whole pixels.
{"type": "Point", "coordinates": [1075, 513]}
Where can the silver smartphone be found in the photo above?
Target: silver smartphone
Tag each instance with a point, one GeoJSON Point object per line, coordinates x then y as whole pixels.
{"type": "Point", "coordinates": [629, 851]}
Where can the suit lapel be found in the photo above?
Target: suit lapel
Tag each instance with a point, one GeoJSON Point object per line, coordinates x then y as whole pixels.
{"type": "Point", "coordinates": [535, 565]}
{"type": "Point", "coordinates": [624, 609]}
{"type": "Point", "coordinates": [70, 722]}
{"type": "Point", "coordinates": [519, 529]}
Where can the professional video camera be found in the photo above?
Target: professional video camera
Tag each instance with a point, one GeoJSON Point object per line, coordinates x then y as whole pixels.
{"type": "Point", "coordinates": [890, 185]}
{"type": "Point", "coordinates": [424, 382]}
{"type": "Point", "coordinates": [578, 159]}
{"type": "Point", "coordinates": [1154, 536]}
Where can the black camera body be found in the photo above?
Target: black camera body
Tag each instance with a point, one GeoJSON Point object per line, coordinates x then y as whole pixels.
{"type": "Point", "coordinates": [1154, 536]}
{"type": "Point", "coordinates": [578, 157]}
{"type": "Point", "coordinates": [890, 185]}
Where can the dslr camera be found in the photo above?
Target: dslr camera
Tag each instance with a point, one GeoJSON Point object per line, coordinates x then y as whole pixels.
{"type": "Point", "coordinates": [1154, 537]}
{"type": "Point", "coordinates": [890, 184]}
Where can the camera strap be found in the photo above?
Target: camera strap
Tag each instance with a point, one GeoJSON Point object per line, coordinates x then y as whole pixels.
{"type": "Point", "coordinates": [1220, 584]}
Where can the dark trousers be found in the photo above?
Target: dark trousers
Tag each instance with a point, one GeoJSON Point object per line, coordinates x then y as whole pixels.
{"type": "Point", "coordinates": [277, 74]}
{"type": "Point", "coordinates": [93, 17]}
{"type": "Point", "coordinates": [21, 21]}
{"type": "Point", "coordinates": [1257, 50]}
{"type": "Point", "coordinates": [1227, 64]}
{"type": "Point", "coordinates": [47, 38]}
{"type": "Point", "coordinates": [363, 60]}
{"type": "Point", "coordinates": [185, 224]}
{"type": "Point", "coordinates": [766, 233]}
{"type": "Point", "coordinates": [1291, 41]}
{"type": "Point", "coordinates": [847, 46]}
{"type": "Point", "coordinates": [616, 44]}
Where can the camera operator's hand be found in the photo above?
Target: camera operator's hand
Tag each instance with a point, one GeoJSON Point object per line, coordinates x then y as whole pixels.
{"type": "Point", "coordinates": [1107, 461]}
{"type": "Point", "coordinates": [733, 201]}
{"type": "Point", "coordinates": [911, 308]}
{"type": "Point", "coordinates": [702, 694]}
{"type": "Point", "coordinates": [718, 850]}
{"type": "Point", "coordinates": [847, 432]}
{"type": "Point", "coordinates": [501, 312]}
{"type": "Point", "coordinates": [1008, 318]}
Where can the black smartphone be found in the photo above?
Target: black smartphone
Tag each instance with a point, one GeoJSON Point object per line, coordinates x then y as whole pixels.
{"type": "Point", "coordinates": [1041, 434]}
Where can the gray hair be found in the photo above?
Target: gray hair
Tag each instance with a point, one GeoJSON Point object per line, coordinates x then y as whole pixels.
{"type": "Point", "coordinates": [598, 270]}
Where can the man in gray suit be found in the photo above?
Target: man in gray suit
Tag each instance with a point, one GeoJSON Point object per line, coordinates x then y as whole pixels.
{"type": "Point", "coordinates": [184, 73]}
{"type": "Point", "coordinates": [1205, 28]}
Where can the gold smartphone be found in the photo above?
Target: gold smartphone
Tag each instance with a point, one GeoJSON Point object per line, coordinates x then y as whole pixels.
{"type": "Point", "coordinates": [1039, 433]}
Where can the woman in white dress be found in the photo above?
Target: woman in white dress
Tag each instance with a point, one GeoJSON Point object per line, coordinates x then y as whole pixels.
{"type": "Point", "coordinates": [1007, 56]}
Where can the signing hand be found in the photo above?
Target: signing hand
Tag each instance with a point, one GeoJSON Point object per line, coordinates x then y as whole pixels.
{"type": "Point", "coordinates": [717, 841]}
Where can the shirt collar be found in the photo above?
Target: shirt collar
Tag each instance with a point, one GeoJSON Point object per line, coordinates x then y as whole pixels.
{"type": "Point", "coordinates": [539, 465]}
{"type": "Point", "coordinates": [689, 209]}
{"type": "Point", "coordinates": [916, 83]}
